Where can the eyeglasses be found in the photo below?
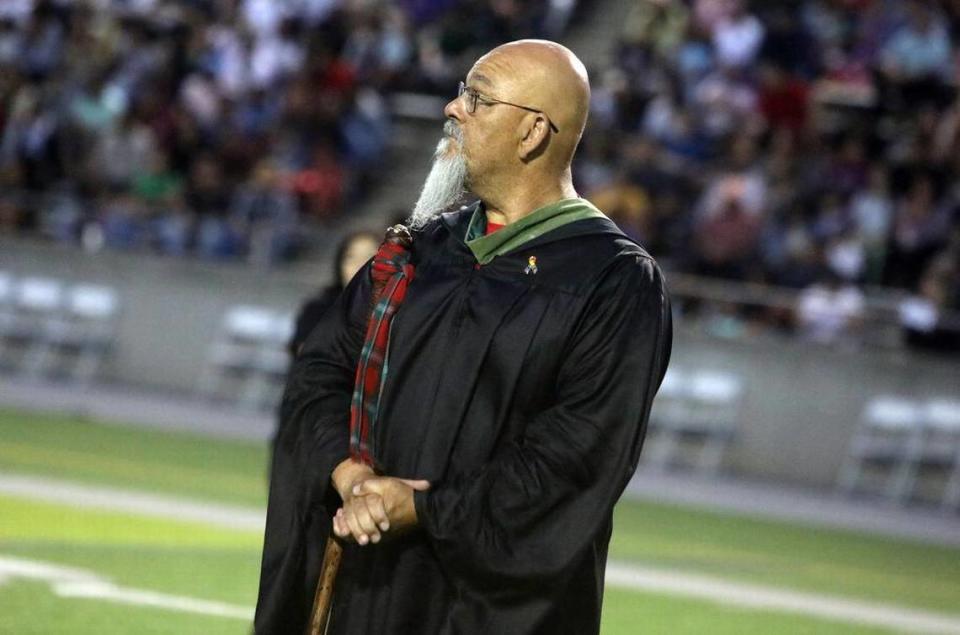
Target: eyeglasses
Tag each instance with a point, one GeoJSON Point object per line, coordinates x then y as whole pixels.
{"type": "Point", "coordinates": [473, 97]}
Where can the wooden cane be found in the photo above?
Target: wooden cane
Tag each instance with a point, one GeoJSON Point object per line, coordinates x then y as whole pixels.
{"type": "Point", "coordinates": [333, 552]}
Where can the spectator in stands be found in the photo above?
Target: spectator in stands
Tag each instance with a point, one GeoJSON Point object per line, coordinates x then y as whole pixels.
{"type": "Point", "coordinates": [871, 211]}
{"type": "Point", "coordinates": [123, 152]}
{"type": "Point", "coordinates": [737, 36]}
{"type": "Point", "coordinates": [727, 239]}
{"type": "Point", "coordinates": [11, 214]}
{"type": "Point", "coordinates": [920, 229]}
{"type": "Point", "coordinates": [743, 181]}
{"type": "Point", "coordinates": [122, 219]}
{"type": "Point", "coordinates": [352, 253]}
{"type": "Point", "coordinates": [265, 211]}
{"type": "Point", "coordinates": [929, 317]}
{"type": "Point", "coordinates": [627, 205]}
{"type": "Point", "coordinates": [724, 102]}
{"type": "Point", "coordinates": [657, 25]}
{"type": "Point", "coordinates": [782, 100]}
{"type": "Point", "coordinates": [917, 59]}
{"type": "Point", "coordinates": [208, 195]}
{"type": "Point", "coordinates": [830, 311]}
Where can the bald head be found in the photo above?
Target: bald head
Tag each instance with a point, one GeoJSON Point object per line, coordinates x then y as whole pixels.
{"type": "Point", "coordinates": [514, 127]}
{"type": "Point", "coordinates": [543, 75]}
{"type": "Point", "coordinates": [546, 74]}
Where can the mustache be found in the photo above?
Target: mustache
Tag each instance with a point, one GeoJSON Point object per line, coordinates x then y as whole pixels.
{"type": "Point", "coordinates": [452, 129]}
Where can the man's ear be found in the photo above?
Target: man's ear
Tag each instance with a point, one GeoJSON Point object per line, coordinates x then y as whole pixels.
{"type": "Point", "coordinates": [534, 131]}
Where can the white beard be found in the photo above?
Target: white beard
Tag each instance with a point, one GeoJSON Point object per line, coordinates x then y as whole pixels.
{"type": "Point", "coordinates": [445, 184]}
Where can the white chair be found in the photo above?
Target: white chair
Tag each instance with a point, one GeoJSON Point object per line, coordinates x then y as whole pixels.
{"type": "Point", "coordinates": [666, 417]}
{"type": "Point", "coordinates": [284, 324]}
{"type": "Point", "coordinates": [38, 305]}
{"type": "Point", "coordinates": [271, 363]}
{"type": "Point", "coordinates": [7, 329]}
{"type": "Point", "coordinates": [698, 411]}
{"type": "Point", "coordinates": [715, 400]}
{"type": "Point", "coordinates": [670, 403]}
{"type": "Point", "coordinates": [6, 288]}
{"type": "Point", "coordinates": [88, 327]}
{"type": "Point", "coordinates": [39, 294]}
{"type": "Point", "coordinates": [249, 347]}
{"type": "Point", "coordinates": [890, 437]}
{"type": "Point", "coordinates": [235, 345]}
{"type": "Point", "coordinates": [941, 418]}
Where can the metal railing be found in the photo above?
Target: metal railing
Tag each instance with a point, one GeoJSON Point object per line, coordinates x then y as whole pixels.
{"type": "Point", "coordinates": [880, 323]}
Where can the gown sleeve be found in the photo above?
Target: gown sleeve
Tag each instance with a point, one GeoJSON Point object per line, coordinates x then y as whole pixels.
{"type": "Point", "coordinates": [530, 514]}
{"type": "Point", "coordinates": [312, 438]}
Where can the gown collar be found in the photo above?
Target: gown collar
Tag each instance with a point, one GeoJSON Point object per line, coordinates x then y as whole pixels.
{"type": "Point", "coordinates": [551, 222]}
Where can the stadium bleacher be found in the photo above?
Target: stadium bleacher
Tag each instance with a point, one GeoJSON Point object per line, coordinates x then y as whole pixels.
{"type": "Point", "coordinates": [799, 166]}
{"type": "Point", "coordinates": [784, 187]}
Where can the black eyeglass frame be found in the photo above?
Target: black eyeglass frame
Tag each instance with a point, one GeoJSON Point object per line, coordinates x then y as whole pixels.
{"type": "Point", "coordinates": [475, 96]}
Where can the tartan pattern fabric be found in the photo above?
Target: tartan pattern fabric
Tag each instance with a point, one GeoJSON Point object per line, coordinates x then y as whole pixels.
{"type": "Point", "coordinates": [391, 272]}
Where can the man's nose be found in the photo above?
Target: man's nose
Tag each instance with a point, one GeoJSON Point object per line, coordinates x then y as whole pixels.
{"type": "Point", "coordinates": [454, 109]}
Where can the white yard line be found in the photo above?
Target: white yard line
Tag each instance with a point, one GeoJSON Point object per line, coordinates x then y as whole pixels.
{"type": "Point", "coordinates": [141, 503]}
{"type": "Point", "coordinates": [767, 598]}
{"type": "Point", "coordinates": [140, 597]}
{"type": "Point", "coordinates": [70, 582]}
{"type": "Point", "coordinates": [75, 583]}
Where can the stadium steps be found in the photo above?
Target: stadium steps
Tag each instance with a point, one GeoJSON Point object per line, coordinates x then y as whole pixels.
{"type": "Point", "coordinates": [399, 180]}
{"type": "Point", "coordinates": [414, 139]}
{"type": "Point", "coordinates": [594, 31]}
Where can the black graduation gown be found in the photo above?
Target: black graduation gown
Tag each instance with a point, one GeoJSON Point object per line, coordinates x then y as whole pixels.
{"type": "Point", "coordinates": [309, 316]}
{"type": "Point", "coordinates": [522, 397]}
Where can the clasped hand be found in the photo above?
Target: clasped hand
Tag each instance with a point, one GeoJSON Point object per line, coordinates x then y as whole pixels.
{"type": "Point", "coordinates": [372, 505]}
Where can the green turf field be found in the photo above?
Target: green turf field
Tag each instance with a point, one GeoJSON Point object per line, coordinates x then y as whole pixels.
{"type": "Point", "coordinates": [180, 559]}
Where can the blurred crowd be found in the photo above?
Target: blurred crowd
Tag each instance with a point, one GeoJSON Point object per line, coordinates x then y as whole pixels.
{"type": "Point", "coordinates": [811, 144]}
{"type": "Point", "coordinates": [218, 128]}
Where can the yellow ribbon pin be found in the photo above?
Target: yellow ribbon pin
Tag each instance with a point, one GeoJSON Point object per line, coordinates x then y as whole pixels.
{"type": "Point", "coordinates": [531, 265]}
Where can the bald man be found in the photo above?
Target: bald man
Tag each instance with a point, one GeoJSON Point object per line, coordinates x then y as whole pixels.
{"type": "Point", "coordinates": [522, 367]}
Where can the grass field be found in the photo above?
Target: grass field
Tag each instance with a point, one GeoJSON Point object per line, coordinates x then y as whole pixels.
{"type": "Point", "coordinates": [174, 557]}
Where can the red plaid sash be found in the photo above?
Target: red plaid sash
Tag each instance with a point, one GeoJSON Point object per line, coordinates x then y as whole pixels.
{"type": "Point", "coordinates": [391, 273]}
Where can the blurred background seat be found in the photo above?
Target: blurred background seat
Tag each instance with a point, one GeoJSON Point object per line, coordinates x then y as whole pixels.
{"type": "Point", "coordinates": [84, 335]}
{"type": "Point", "coordinates": [886, 448]}
{"type": "Point", "coordinates": [693, 420]}
{"type": "Point", "coordinates": [6, 315]}
{"type": "Point", "coordinates": [941, 417]}
{"type": "Point", "coordinates": [247, 361]}
{"type": "Point", "coordinates": [38, 306]}
{"type": "Point", "coordinates": [52, 330]}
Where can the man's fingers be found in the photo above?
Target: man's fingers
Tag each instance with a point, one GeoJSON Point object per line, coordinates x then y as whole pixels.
{"type": "Point", "coordinates": [340, 528]}
{"type": "Point", "coordinates": [361, 524]}
{"type": "Point", "coordinates": [341, 525]}
{"type": "Point", "coordinates": [419, 485]}
{"type": "Point", "coordinates": [377, 511]}
{"type": "Point", "coordinates": [350, 518]}
{"type": "Point", "coordinates": [381, 484]}
{"type": "Point", "coordinates": [367, 522]}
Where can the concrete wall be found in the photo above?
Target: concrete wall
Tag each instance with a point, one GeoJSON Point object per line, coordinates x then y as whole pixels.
{"type": "Point", "coordinates": [801, 404]}
{"type": "Point", "coordinates": [170, 309]}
